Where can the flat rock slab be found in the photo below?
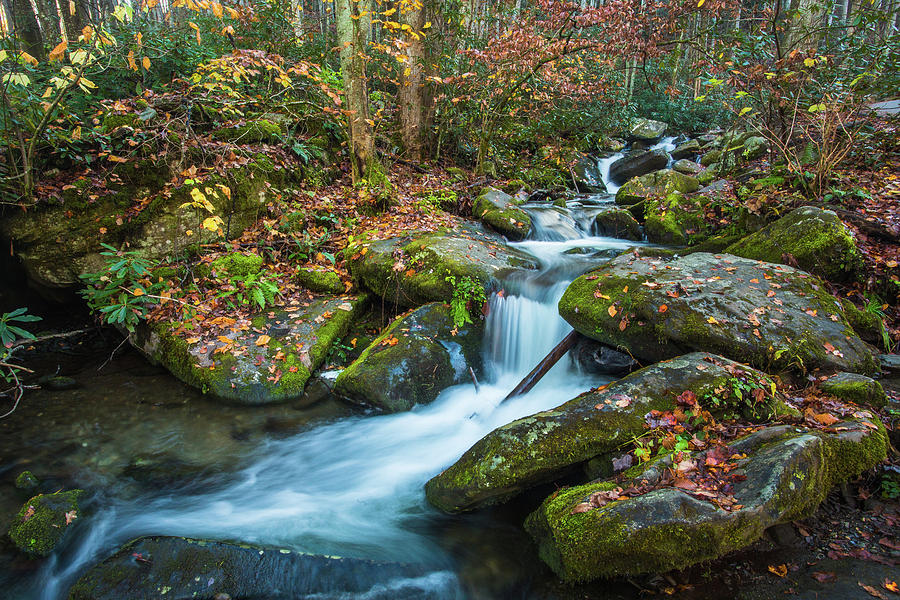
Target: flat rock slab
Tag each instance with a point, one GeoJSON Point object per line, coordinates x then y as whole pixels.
{"type": "Point", "coordinates": [186, 569]}
{"type": "Point", "coordinates": [261, 361]}
{"type": "Point", "coordinates": [412, 270]}
{"type": "Point", "coordinates": [761, 313]}
{"type": "Point", "coordinates": [788, 472]}
{"type": "Point", "coordinates": [542, 447]}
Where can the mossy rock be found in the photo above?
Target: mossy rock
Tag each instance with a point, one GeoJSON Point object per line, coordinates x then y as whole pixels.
{"type": "Point", "coordinates": [113, 121]}
{"type": "Point", "coordinates": [429, 355]}
{"type": "Point", "coordinates": [710, 157]}
{"type": "Point", "coordinates": [496, 210]}
{"type": "Point", "coordinates": [675, 220]}
{"type": "Point", "coordinates": [637, 163]}
{"type": "Point", "coordinates": [320, 280]}
{"type": "Point", "coordinates": [755, 147]}
{"type": "Point", "coordinates": [869, 325]}
{"type": "Point", "coordinates": [427, 259]}
{"type": "Point", "coordinates": [687, 167]}
{"type": "Point", "coordinates": [544, 446]}
{"type": "Point", "coordinates": [619, 224]}
{"type": "Point", "coordinates": [816, 239]}
{"type": "Point", "coordinates": [191, 569]}
{"type": "Point", "coordinates": [43, 521]}
{"type": "Point", "coordinates": [788, 473]}
{"type": "Point", "coordinates": [300, 339]}
{"type": "Point", "coordinates": [250, 132]}
{"type": "Point", "coordinates": [686, 149]}
{"type": "Point", "coordinates": [26, 481]}
{"type": "Point", "coordinates": [237, 264]}
{"type": "Point", "coordinates": [647, 130]}
{"type": "Point", "coordinates": [769, 315]}
{"type": "Point", "coordinates": [855, 388]}
{"type": "Point", "coordinates": [659, 183]}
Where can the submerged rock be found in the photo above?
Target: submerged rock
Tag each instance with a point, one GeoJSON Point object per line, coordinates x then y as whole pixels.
{"type": "Point", "coordinates": [497, 211]}
{"type": "Point", "coordinates": [765, 314]}
{"type": "Point", "coordinates": [187, 569]}
{"type": "Point", "coordinates": [412, 270]}
{"type": "Point", "coordinates": [43, 521]}
{"type": "Point", "coordinates": [648, 130]}
{"type": "Point", "coordinates": [636, 164]}
{"type": "Point", "coordinates": [544, 446]}
{"type": "Point", "coordinates": [788, 471]}
{"type": "Point", "coordinates": [251, 369]}
{"type": "Point", "coordinates": [429, 355]}
{"type": "Point", "coordinates": [814, 239]}
{"type": "Point", "coordinates": [26, 481]}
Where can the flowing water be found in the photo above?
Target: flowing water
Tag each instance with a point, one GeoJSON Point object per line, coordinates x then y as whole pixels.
{"type": "Point", "coordinates": [345, 484]}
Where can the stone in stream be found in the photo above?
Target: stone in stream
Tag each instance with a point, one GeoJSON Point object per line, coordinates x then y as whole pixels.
{"type": "Point", "coordinates": [412, 270]}
{"type": "Point", "coordinates": [420, 354]}
{"type": "Point", "coordinates": [263, 361]}
{"type": "Point", "coordinates": [591, 356]}
{"type": "Point", "coordinates": [636, 164]}
{"type": "Point", "coordinates": [497, 211]}
{"type": "Point", "coordinates": [687, 149]}
{"type": "Point", "coordinates": [647, 130]}
{"type": "Point", "coordinates": [545, 446]}
{"type": "Point", "coordinates": [618, 223]}
{"type": "Point", "coordinates": [659, 183]}
{"type": "Point", "coordinates": [176, 568]}
{"type": "Point", "coordinates": [43, 521]}
{"type": "Point", "coordinates": [675, 219]}
{"type": "Point", "coordinates": [814, 239]}
{"type": "Point", "coordinates": [788, 471]}
{"type": "Point", "coordinates": [687, 167]}
{"type": "Point", "coordinates": [768, 315]}
{"type": "Point", "coordinates": [588, 178]}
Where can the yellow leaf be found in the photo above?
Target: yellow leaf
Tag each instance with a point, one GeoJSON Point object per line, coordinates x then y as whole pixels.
{"type": "Point", "coordinates": [212, 223]}
{"type": "Point", "coordinates": [57, 53]}
{"type": "Point", "coordinates": [87, 33]}
{"type": "Point", "coordinates": [131, 64]}
{"type": "Point", "coordinates": [198, 196]}
{"type": "Point", "coordinates": [138, 292]}
{"type": "Point", "coordinates": [262, 340]}
{"type": "Point", "coordinates": [71, 8]}
{"type": "Point", "coordinates": [116, 159]}
{"type": "Point", "coordinates": [809, 62]}
{"type": "Point", "coordinates": [700, 3]}
{"type": "Point", "coordinates": [28, 58]}
{"type": "Point", "coordinates": [712, 321]}
{"type": "Point", "coordinates": [225, 340]}
{"type": "Point", "coordinates": [76, 133]}
{"type": "Point", "coordinates": [216, 9]}
{"type": "Point", "coordinates": [146, 63]}
{"type": "Point", "coordinates": [427, 25]}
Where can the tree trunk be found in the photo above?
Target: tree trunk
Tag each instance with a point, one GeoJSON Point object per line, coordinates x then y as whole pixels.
{"type": "Point", "coordinates": [26, 28]}
{"type": "Point", "coordinates": [352, 42]}
{"type": "Point", "coordinates": [411, 96]}
{"type": "Point", "coordinates": [805, 25]}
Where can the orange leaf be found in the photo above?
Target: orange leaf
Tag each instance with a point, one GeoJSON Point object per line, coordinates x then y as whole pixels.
{"type": "Point", "coordinates": [612, 310]}
{"type": "Point", "coordinates": [262, 340]}
{"type": "Point", "coordinates": [663, 308]}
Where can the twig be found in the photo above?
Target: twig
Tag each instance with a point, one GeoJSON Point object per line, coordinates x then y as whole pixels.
{"type": "Point", "coordinates": [54, 336]}
{"type": "Point", "coordinates": [113, 353]}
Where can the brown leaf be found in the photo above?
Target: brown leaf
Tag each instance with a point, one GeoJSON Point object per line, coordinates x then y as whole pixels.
{"type": "Point", "coordinates": [824, 576]}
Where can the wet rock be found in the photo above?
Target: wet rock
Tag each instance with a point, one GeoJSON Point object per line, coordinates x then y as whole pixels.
{"type": "Point", "coordinates": [593, 357]}
{"type": "Point", "coordinates": [659, 183]}
{"type": "Point", "coordinates": [544, 446]}
{"type": "Point", "coordinates": [497, 211]}
{"type": "Point", "coordinates": [765, 314]}
{"type": "Point", "coordinates": [429, 355]}
{"type": "Point", "coordinates": [428, 258]}
{"type": "Point", "coordinates": [618, 224]}
{"type": "Point", "coordinates": [788, 473]}
{"type": "Point", "coordinates": [856, 388]}
{"type": "Point", "coordinates": [676, 219]}
{"type": "Point", "coordinates": [687, 167]}
{"type": "Point", "coordinates": [58, 383]}
{"type": "Point", "coordinates": [163, 471]}
{"type": "Point", "coordinates": [890, 363]}
{"type": "Point", "coordinates": [43, 521]}
{"type": "Point", "coordinates": [648, 130]}
{"type": "Point", "coordinates": [636, 164]}
{"type": "Point", "coordinates": [687, 149]}
{"type": "Point", "coordinates": [811, 238]}
{"type": "Point", "coordinates": [868, 324]}
{"type": "Point", "coordinates": [188, 569]}
{"type": "Point", "coordinates": [588, 178]}
{"type": "Point", "coordinates": [26, 481]}
{"type": "Point", "coordinates": [249, 369]}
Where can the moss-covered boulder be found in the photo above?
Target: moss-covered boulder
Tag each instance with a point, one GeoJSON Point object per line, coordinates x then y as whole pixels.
{"type": "Point", "coordinates": [787, 473]}
{"type": "Point", "coordinates": [263, 361]}
{"type": "Point", "coordinates": [237, 264]}
{"type": "Point", "coordinates": [856, 388]}
{"type": "Point", "coordinates": [687, 167]}
{"type": "Point", "coordinates": [420, 354]}
{"type": "Point", "coordinates": [675, 219]}
{"type": "Point", "coordinates": [320, 280]}
{"type": "Point", "coordinates": [497, 211]}
{"type": "Point", "coordinates": [43, 521]}
{"type": "Point", "coordinates": [659, 183]}
{"type": "Point", "coordinates": [412, 270]}
{"type": "Point", "coordinates": [637, 163]}
{"type": "Point", "coordinates": [869, 324]}
{"type": "Point", "coordinates": [688, 149]}
{"type": "Point", "coordinates": [647, 130]}
{"type": "Point", "coordinates": [618, 223]}
{"type": "Point", "coordinates": [754, 147]}
{"type": "Point", "coordinates": [250, 132]}
{"type": "Point", "coordinates": [188, 569]}
{"type": "Point", "coordinates": [544, 446]}
{"type": "Point", "coordinates": [813, 238]}
{"type": "Point", "coordinates": [769, 315]}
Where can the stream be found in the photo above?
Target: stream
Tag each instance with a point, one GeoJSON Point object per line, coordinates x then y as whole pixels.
{"type": "Point", "coordinates": [323, 480]}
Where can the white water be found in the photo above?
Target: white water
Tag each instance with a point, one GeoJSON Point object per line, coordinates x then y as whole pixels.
{"type": "Point", "coordinates": [667, 144]}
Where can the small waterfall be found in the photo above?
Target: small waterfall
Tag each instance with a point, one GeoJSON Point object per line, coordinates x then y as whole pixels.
{"type": "Point", "coordinates": [667, 144]}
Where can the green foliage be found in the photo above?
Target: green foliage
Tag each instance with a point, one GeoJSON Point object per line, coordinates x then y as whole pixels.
{"type": "Point", "coordinates": [9, 332]}
{"type": "Point", "coordinates": [253, 290]}
{"type": "Point", "coordinates": [123, 293]}
{"type": "Point", "coordinates": [468, 295]}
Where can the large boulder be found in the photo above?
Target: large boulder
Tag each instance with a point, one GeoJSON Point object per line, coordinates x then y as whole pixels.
{"type": "Point", "coordinates": [412, 270]}
{"type": "Point", "coordinates": [497, 211]}
{"type": "Point", "coordinates": [263, 361]}
{"type": "Point", "coordinates": [43, 521]}
{"type": "Point", "coordinates": [647, 130]}
{"type": "Point", "coordinates": [675, 219]}
{"type": "Point", "coordinates": [188, 569]}
{"type": "Point", "coordinates": [659, 183]}
{"type": "Point", "coordinates": [814, 239]}
{"type": "Point", "coordinates": [544, 446]}
{"type": "Point", "coordinates": [687, 149]}
{"type": "Point", "coordinates": [588, 177]}
{"type": "Point", "coordinates": [784, 473]}
{"type": "Point", "coordinates": [635, 164]}
{"type": "Point", "coordinates": [618, 223]}
{"type": "Point", "coordinates": [765, 314]}
{"type": "Point", "coordinates": [419, 355]}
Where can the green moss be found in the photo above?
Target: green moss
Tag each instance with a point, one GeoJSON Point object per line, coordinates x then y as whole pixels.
{"type": "Point", "coordinates": [26, 481]}
{"type": "Point", "coordinates": [251, 132]}
{"type": "Point", "coordinates": [514, 185]}
{"type": "Point", "coordinates": [42, 521]}
{"type": "Point", "coordinates": [238, 264]}
{"type": "Point", "coordinates": [856, 388]}
{"type": "Point", "coordinates": [113, 121]}
{"type": "Point", "coordinates": [868, 324]}
{"type": "Point", "coordinates": [320, 280]}
{"type": "Point", "coordinates": [514, 223]}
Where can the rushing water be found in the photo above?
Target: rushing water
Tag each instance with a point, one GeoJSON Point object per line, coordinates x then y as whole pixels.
{"type": "Point", "coordinates": [353, 486]}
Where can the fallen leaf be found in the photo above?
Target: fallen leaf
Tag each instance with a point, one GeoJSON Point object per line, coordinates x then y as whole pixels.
{"type": "Point", "coordinates": [712, 321]}
{"type": "Point", "coordinates": [612, 310]}
{"type": "Point", "coordinates": [824, 576]}
{"type": "Point", "coordinates": [262, 340]}
{"type": "Point", "coordinates": [663, 308]}
{"type": "Point", "coordinates": [780, 570]}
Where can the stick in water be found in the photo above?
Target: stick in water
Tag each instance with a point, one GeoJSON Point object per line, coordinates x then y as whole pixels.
{"type": "Point", "coordinates": [545, 365]}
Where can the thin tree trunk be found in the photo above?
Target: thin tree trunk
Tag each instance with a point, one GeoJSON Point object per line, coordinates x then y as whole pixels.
{"type": "Point", "coordinates": [26, 28]}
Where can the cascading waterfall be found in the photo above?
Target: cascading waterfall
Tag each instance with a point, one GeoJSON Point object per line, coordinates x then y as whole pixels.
{"type": "Point", "coordinates": [603, 164]}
